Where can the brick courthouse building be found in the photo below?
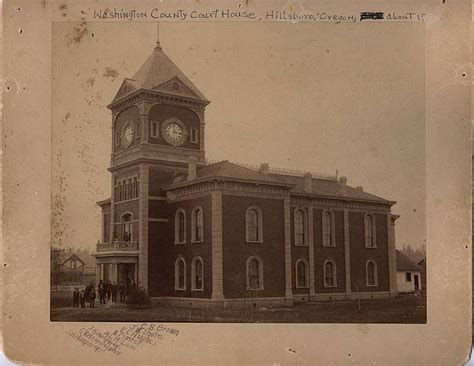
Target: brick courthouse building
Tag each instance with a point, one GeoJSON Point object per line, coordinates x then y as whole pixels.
{"type": "Point", "coordinates": [197, 233]}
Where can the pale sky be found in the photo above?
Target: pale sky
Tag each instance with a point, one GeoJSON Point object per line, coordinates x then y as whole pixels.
{"type": "Point", "coordinates": [314, 96]}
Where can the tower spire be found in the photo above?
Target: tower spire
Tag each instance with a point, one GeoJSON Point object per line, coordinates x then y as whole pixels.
{"type": "Point", "coordinates": [158, 46]}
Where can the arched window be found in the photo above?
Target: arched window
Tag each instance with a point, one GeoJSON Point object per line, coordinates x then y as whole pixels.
{"type": "Point", "coordinates": [329, 229]}
{"type": "Point", "coordinates": [302, 274]}
{"type": "Point", "coordinates": [197, 225]}
{"type": "Point", "coordinates": [254, 270]}
{"type": "Point", "coordinates": [369, 228]}
{"type": "Point", "coordinates": [254, 225]}
{"type": "Point", "coordinates": [180, 227]}
{"type": "Point", "coordinates": [180, 274]}
{"type": "Point", "coordinates": [330, 279]}
{"type": "Point", "coordinates": [300, 227]}
{"type": "Point", "coordinates": [197, 274]}
{"type": "Point", "coordinates": [371, 273]}
{"type": "Point", "coordinates": [127, 227]}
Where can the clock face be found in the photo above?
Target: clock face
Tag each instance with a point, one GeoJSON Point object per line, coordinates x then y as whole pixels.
{"type": "Point", "coordinates": [174, 131]}
{"type": "Point", "coordinates": [128, 135]}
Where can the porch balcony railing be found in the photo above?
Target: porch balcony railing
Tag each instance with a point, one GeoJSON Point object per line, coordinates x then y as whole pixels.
{"type": "Point", "coordinates": [117, 246]}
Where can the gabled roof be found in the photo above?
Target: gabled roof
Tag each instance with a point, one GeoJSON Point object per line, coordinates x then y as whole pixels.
{"type": "Point", "coordinates": [405, 264]}
{"type": "Point", "coordinates": [230, 171]}
{"type": "Point", "coordinates": [72, 256]}
{"type": "Point", "coordinates": [160, 73]}
{"type": "Point", "coordinates": [328, 187]}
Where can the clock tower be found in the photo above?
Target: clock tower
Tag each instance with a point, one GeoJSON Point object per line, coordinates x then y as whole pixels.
{"type": "Point", "coordinates": [157, 131]}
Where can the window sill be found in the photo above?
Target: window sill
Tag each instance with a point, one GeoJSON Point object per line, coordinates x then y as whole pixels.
{"type": "Point", "coordinates": [255, 289]}
{"type": "Point", "coordinates": [180, 289]}
{"type": "Point", "coordinates": [179, 243]}
{"type": "Point", "coordinates": [197, 241]}
{"type": "Point", "coordinates": [254, 242]}
{"type": "Point", "coordinates": [197, 290]}
{"type": "Point", "coordinates": [372, 285]}
{"type": "Point", "coordinates": [326, 286]}
{"type": "Point", "coordinates": [301, 245]}
{"type": "Point", "coordinates": [371, 247]}
{"type": "Point", "coordinates": [302, 287]}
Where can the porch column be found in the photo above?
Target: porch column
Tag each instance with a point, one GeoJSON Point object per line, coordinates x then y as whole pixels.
{"type": "Point", "coordinates": [311, 250]}
{"type": "Point", "coordinates": [217, 261]}
{"type": "Point", "coordinates": [113, 275]}
{"type": "Point", "coordinates": [347, 252]}
{"type": "Point", "coordinates": [287, 227]}
{"type": "Point", "coordinates": [115, 270]}
{"type": "Point", "coordinates": [97, 273]}
{"type": "Point", "coordinates": [142, 266]}
{"type": "Point", "coordinates": [101, 271]}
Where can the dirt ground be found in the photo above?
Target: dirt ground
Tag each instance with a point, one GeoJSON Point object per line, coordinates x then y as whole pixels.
{"type": "Point", "coordinates": [404, 309]}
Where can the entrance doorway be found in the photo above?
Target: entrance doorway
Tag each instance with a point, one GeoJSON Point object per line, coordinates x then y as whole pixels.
{"type": "Point", "coordinates": [126, 273]}
{"type": "Point", "coordinates": [417, 282]}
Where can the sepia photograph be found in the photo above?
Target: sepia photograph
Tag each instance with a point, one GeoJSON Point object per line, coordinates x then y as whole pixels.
{"type": "Point", "coordinates": [238, 172]}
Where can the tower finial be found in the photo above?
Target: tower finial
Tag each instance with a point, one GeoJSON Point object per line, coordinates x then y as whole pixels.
{"type": "Point", "coordinates": [158, 46]}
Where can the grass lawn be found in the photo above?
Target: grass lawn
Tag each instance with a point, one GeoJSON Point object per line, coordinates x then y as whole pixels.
{"type": "Point", "coordinates": [404, 309]}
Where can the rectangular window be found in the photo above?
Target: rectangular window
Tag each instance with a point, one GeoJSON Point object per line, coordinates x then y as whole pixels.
{"type": "Point", "coordinates": [194, 135]}
{"type": "Point", "coordinates": [154, 129]}
{"type": "Point", "coordinates": [137, 130]}
{"type": "Point", "coordinates": [408, 277]}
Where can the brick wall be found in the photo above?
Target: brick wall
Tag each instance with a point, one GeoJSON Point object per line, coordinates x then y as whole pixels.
{"type": "Point", "coordinates": [322, 253]}
{"type": "Point", "coordinates": [360, 254]}
{"type": "Point", "coordinates": [163, 252]}
{"type": "Point", "coordinates": [129, 114]}
{"type": "Point", "coordinates": [162, 112]}
{"type": "Point", "coordinates": [236, 251]}
{"type": "Point", "coordinates": [158, 178]}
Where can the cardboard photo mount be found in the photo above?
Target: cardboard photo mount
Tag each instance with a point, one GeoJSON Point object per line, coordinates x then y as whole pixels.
{"type": "Point", "coordinates": [29, 336]}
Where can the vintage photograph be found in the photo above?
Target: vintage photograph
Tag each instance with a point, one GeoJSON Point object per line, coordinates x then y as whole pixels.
{"type": "Point", "coordinates": [237, 172]}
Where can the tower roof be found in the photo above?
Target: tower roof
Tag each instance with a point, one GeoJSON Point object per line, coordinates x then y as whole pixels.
{"type": "Point", "coordinates": [159, 73]}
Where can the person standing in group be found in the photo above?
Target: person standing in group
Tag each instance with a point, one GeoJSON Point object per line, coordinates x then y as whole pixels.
{"type": "Point", "coordinates": [92, 297]}
{"type": "Point", "coordinates": [114, 289]}
{"type": "Point", "coordinates": [102, 290]}
{"type": "Point", "coordinates": [75, 297]}
{"type": "Point", "coordinates": [88, 291]}
{"type": "Point", "coordinates": [82, 298]}
{"type": "Point", "coordinates": [122, 291]}
{"type": "Point", "coordinates": [108, 289]}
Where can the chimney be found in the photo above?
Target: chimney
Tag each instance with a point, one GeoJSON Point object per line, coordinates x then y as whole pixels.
{"type": "Point", "coordinates": [343, 181]}
{"type": "Point", "coordinates": [308, 182]}
{"type": "Point", "coordinates": [360, 188]}
{"type": "Point", "coordinates": [192, 168]}
{"type": "Point", "coordinates": [264, 168]}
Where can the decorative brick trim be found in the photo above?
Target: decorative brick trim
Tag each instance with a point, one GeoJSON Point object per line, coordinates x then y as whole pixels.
{"type": "Point", "coordinates": [311, 250]}
{"type": "Point", "coordinates": [335, 202]}
{"type": "Point", "coordinates": [287, 227]}
{"type": "Point", "coordinates": [217, 261]}
{"type": "Point", "coordinates": [392, 268]}
{"type": "Point", "coordinates": [347, 252]}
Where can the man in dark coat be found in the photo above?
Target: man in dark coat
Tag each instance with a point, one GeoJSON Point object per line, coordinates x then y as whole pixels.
{"type": "Point", "coordinates": [108, 289]}
{"type": "Point", "coordinates": [114, 289]}
{"type": "Point", "coordinates": [92, 297]}
{"type": "Point", "coordinates": [101, 289]}
{"type": "Point", "coordinates": [75, 297]}
{"type": "Point", "coordinates": [122, 291]}
{"type": "Point", "coordinates": [82, 298]}
{"type": "Point", "coordinates": [88, 291]}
